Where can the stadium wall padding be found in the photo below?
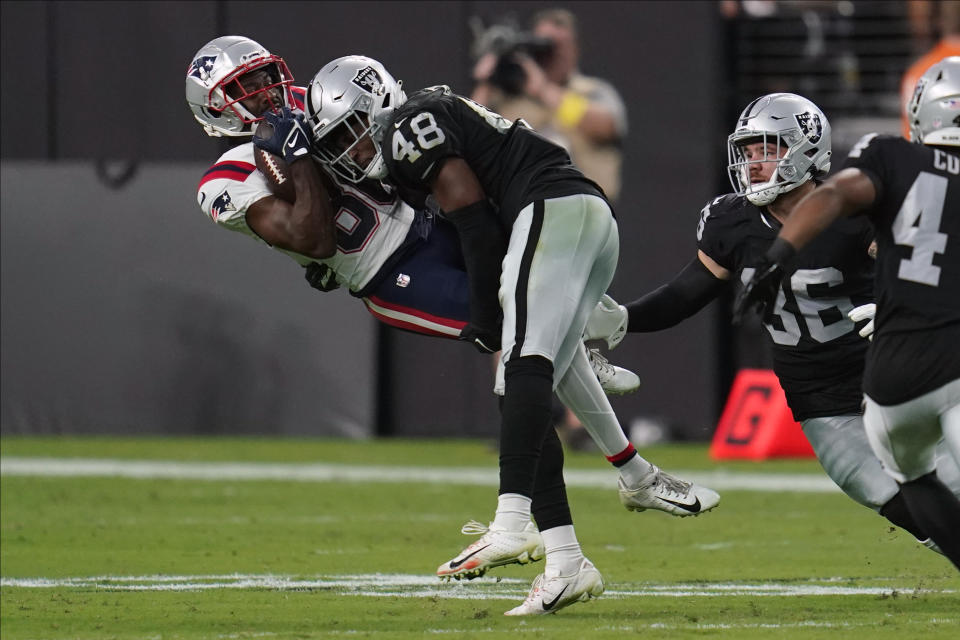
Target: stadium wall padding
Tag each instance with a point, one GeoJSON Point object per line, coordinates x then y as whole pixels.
{"type": "Point", "coordinates": [126, 309]}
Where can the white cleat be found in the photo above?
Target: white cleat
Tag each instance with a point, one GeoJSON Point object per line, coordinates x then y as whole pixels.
{"type": "Point", "coordinates": [550, 594]}
{"type": "Point", "coordinates": [614, 380]}
{"type": "Point", "coordinates": [495, 548]}
{"type": "Point", "coordinates": [608, 321]}
{"type": "Point", "coordinates": [663, 492]}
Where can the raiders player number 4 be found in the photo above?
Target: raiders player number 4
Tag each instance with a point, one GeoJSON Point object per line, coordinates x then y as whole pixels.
{"type": "Point", "coordinates": [911, 193]}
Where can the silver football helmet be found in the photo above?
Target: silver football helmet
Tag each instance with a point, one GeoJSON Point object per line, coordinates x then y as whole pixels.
{"type": "Point", "coordinates": [214, 91]}
{"type": "Point", "coordinates": [796, 128]}
{"type": "Point", "coordinates": [350, 98]}
{"type": "Point", "coordinates": [934, 110]}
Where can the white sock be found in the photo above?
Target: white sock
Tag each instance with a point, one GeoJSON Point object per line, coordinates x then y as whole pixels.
{"type": "Point", "coordinates": [635, 471]}
{"type": "Point", "coordinates": [564, 554]}
{"type": "Point", "coordinates": [513, 512]}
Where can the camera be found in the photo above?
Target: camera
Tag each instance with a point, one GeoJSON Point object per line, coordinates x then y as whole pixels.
{"type": "Point", "coordinates": [507, 42]}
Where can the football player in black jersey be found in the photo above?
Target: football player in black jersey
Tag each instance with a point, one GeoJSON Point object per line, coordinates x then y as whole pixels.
{"type": "Point", "coordinates": [540, 244]}
{"type": "Point", "coordinates": [781, 145]}
{"type": "Point", "coordinates": [911, 193]}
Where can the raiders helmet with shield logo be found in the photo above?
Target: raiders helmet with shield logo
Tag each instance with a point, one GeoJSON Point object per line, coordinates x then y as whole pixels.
{"type": "Point", "coordinates": [350, 98]}
{"type": "Point", "coordinates": [214, 92]}
{"type": "Point", "coordinates": [934, 110]}
{"type": "Point", "coordinates": [800, 132]}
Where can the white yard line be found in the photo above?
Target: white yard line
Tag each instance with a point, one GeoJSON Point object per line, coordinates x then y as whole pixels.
{"type": "Point", "coordinates": [422, 586]}
{"type": "Point", "coordinates": [325, 472]}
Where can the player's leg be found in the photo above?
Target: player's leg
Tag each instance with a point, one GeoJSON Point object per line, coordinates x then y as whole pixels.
{"type": "Point", "coordinates": [543, 276]}
{"type": "Point", "coordinates": [904, 437]}
{"type": "Point", "coordinates": [841, 445]}
{"type": "Point", "coordinates": [642, 485]}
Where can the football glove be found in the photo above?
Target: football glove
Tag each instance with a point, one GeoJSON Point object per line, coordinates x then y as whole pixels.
{"type": "Point", "coordinates": [760, 292]}
{"type": "Point", "coordinates": [321, 277]}
{"type": "Point", "coordinates": [283, 135]}
{"type": "Point", "coordinates": [861, 313]}
{"type": "Point", "coordinates": [485, 341]}
{"type": "Point", "coordinates": [607, 321]}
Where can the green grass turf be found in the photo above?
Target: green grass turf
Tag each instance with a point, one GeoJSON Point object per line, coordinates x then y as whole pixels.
{"type": "Point", "coordinates": [81, 527]}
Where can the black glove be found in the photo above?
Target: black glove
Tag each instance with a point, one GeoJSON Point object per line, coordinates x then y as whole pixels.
{"type": "Point", "coordinates": [760, 292]}
{"type": "Point", "coordinates": [283, 135]}
{"type": "Point", "coordinates": [485, 341]}
{"type": "Point", "coordinates": [321, 277]}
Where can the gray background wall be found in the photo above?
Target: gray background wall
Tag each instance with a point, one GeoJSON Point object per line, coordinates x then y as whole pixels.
{"type": "Point", "coordinates": [125, 309]}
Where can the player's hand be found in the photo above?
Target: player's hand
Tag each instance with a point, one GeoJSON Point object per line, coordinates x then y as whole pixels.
{"type": "Point", "coordinates": [760, 292]}
{"type": "Point", "coordinates": [321, 277]}
{"type": "Point", "coordinates": [485, 341]}
{"type": "Point", "coordinates": [283, 134]}
{"type": "Point", "coordinates": [861, 313]}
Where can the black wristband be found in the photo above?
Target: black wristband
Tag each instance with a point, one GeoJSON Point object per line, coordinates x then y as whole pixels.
{"type": "Point", "coordinates": [780, 252]}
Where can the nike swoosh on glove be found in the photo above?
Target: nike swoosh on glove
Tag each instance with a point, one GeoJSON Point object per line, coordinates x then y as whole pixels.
{"type": "Point", "coordinates": [485, 341]}
{"type": "Point", "coordinates": [283, 135]}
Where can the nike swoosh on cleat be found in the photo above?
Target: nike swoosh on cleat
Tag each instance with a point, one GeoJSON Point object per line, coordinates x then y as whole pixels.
{"type": "Point", "coordinates": [550, 605]}
{"type": "Point", "coordinates": [692, 508]}
{"type": "Point", "coordinates": [456, 564]}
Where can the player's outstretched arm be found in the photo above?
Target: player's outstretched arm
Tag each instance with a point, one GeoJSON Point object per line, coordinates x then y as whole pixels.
{"type": "Point", "coordinates": [689, 291]}
{"type": "Point", "coordinates": [844, 194]}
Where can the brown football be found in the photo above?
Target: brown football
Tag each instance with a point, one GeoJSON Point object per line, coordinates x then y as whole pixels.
{"type": "Point", "coordinates": [277, 173]}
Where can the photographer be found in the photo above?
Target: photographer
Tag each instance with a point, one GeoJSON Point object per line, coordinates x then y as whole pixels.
{"type": "Point", "coordinates": [534, 76]}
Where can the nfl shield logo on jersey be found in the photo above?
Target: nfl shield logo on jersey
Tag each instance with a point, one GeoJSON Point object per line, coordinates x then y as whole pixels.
{"type": "Point", "coordinates": [810, 125]}
{"type": "Point", "coordinates": [369, 80]}
{"type": "Point", "coordinates": [222, 204]}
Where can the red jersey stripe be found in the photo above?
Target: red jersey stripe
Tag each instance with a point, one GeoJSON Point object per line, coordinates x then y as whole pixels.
{"type": "Point", "coordinates": [231, 170]}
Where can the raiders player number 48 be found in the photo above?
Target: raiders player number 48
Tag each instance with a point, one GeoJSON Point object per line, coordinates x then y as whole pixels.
{"type": "Point", "coordinates": [541, 246]}
{"type": "Point", "coordinates": [911, 193]}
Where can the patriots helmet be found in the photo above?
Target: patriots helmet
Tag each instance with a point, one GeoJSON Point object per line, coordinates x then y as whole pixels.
{"type": "Point", "coordinates": [348, 99]}
{"type": "Point", "coordinates": [797, 129]}
{"type": "Point", "coordinates": [215, 94]}
{"type": "Point", "coordinates": [934, 110]}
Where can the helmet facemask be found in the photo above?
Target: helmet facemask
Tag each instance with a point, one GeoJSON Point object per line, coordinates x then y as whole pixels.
{"type": "Point", "coordinates": [229, 93]}
{"type": "Point", "coordinates": [340, 138]}
{"type": "Point", "coordinates": [776, 149]}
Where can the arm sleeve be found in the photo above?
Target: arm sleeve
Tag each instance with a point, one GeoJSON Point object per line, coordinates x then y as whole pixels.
{"type": "Point", "coordinates": [688, 292]}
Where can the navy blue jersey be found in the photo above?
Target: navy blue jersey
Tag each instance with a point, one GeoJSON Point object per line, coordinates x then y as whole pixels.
{"type": "Point", "coordinates": [917, 216]}
{"type": "Point", "coordinates": [818, 355]}
{"type": "Point", "coordinates": [514, 164]}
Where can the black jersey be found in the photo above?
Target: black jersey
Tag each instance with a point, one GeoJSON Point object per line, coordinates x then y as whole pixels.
{"type": "Point", "coordinates": [514, 164]}
{"type": "Point", "coordinates": [818, 354]}
{"type": "Point", "coordinates": [917, 216]}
